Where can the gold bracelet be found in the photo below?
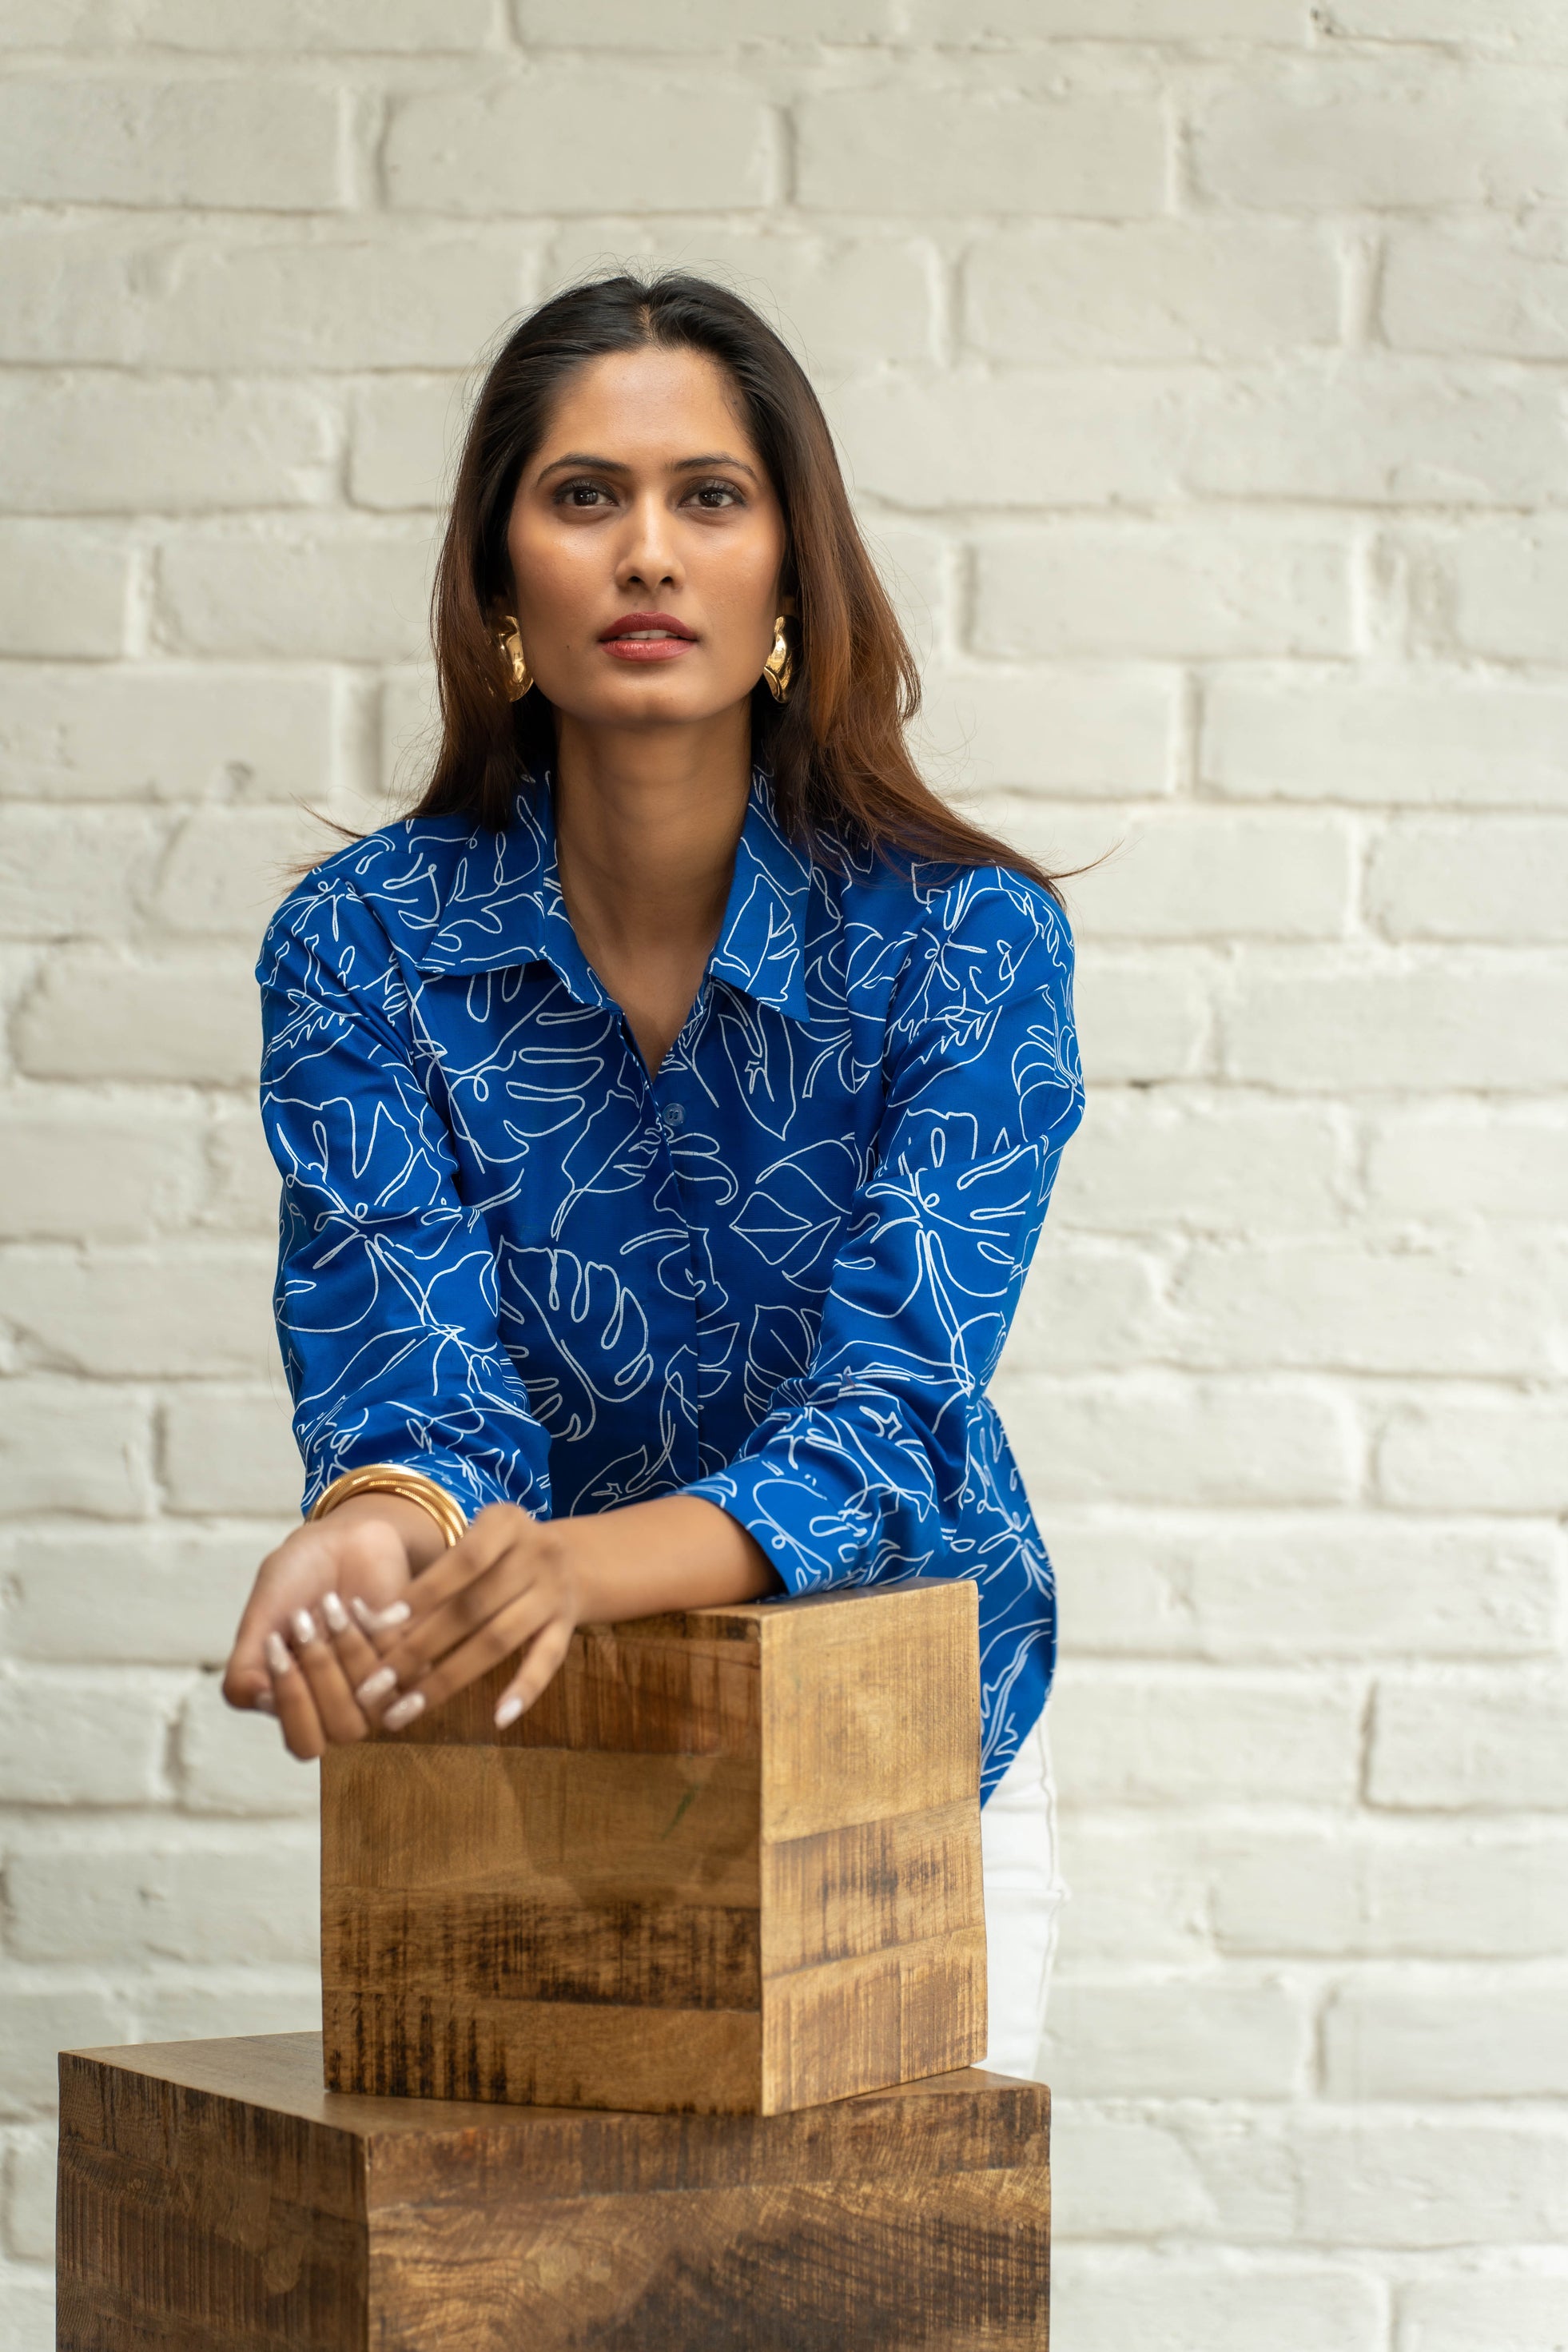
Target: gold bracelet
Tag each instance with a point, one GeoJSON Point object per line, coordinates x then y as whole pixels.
{"type": "Point", "coordinates": [388, 1478]}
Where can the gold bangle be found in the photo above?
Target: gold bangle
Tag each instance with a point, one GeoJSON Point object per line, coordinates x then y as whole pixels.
{"type": "Point", "coordinates": [388, 1478]}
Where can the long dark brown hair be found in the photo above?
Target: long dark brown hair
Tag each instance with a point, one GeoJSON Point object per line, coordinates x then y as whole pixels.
{"type": "Point", "coordinates": [835, 750]}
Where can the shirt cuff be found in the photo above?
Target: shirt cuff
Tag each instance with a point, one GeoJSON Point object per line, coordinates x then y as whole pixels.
{"type": "Point", "coordinates": [815, 1542]}
{"type": "Point", "coordinates": [467, 1482]}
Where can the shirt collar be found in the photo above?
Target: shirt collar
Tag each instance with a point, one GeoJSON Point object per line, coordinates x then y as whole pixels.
{"type": "Point", "coordinates": [504, 907]}
{"type": "Point", "coordinates": [762, 940]}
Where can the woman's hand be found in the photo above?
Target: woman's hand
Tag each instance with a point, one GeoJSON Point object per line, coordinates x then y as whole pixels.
{"type": "Point", "coordinates": [362, 1616]}
{"type": "Point", "coordinates": [515, 1583]}
{"type": "Point", "coordinates": [323, 1606]}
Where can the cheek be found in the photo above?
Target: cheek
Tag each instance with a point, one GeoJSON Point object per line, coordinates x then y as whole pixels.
{"type": "Point", "coordinates": [558, 581]}
{"type": "Point", "coordinates": [745, 585]}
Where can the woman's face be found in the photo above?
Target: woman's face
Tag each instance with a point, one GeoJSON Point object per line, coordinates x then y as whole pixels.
{"type": "Point", "coordinates": [646, 544]}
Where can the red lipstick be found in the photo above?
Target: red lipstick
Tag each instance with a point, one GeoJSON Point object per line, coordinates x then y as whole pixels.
{"type": "Point", "coordinates": [647, 637]}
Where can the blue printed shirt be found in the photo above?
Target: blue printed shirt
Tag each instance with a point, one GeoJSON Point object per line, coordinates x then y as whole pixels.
{"type": "Point", "coordinates": [778, 1273]}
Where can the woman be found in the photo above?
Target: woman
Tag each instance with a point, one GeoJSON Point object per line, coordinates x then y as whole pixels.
{"type": "Point", "coordinates": [667, 1110]}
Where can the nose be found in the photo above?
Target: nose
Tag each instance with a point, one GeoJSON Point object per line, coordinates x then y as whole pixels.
{"type": "Point", "coordinates": [646, 558]}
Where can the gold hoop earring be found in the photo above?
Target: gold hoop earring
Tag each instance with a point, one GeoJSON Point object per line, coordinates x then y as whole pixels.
{"type": "Point", "coordinates": [509, 644]}
{"type": "Point", "coordinates": [779, 666]}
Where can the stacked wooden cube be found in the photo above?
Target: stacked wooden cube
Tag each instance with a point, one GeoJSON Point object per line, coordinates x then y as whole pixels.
{"type": "Point", "coordinates": [648, 2022]}
{"type": "Point", "coordinates": [729, 1862]}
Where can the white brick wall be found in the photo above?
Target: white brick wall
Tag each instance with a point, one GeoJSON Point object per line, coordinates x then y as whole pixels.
{"type": "Point", "coordinates": [1201, 366]}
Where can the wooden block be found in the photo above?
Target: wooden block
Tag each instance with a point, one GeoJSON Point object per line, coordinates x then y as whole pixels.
{"type": "Point", "coordinates": [729, 1862]}
{"type": "Point", "coordinates": [214, 2199]}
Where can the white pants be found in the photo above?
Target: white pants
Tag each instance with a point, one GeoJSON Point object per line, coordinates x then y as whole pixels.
{"type": "Point", "coordinates": [1023, 1897]}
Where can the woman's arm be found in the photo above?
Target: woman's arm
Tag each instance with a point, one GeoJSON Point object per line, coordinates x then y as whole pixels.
{"type": "Point", "coordinates": [385, 1296]}
{"type": "Point", "coordinates": [384, 1301]}
{"type": "Point", "coordinates": [858, 1469]}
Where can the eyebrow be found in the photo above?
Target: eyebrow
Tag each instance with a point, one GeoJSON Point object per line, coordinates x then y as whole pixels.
{"type": "Point", "coordinates": [614, 466]}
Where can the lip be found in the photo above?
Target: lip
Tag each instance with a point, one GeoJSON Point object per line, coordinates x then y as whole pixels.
{"type": "Point", "coordinates": [623, 641]}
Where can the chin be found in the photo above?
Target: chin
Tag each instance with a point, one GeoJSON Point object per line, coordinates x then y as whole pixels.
{"type": "Point", "coordinates": [660, 701]}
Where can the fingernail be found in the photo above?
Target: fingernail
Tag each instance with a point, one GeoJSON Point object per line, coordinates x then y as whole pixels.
{"type": "Point", "coordinates": [305, 1626]}
{"type": "Point", "coordinates": [380, 1621]}
{"type": "Point", "coordinates": [376, 1686]}
{"type": "Point", "coordinates": [404, 1712]}
{"type": "Point", "coordinates": [264, 1702]}
{"type": "Point", "coordinates": [277, 1656]}
{"type": "Point", "coordinates": [336, 1615]}
{"type": "Point", "coordinates": [507, 1711]}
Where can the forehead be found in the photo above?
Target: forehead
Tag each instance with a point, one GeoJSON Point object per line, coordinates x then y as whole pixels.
{"type": "Point", "coordinates": [658, 404]}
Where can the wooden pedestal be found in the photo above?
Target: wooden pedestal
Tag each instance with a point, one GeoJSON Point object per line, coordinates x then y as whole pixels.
{"type": "Point", "coordinates": [214, 2199]}
{"type": "Point", "coordinates": [729, 1862]}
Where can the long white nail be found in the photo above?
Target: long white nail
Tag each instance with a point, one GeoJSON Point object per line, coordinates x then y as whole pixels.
{"type": "Point", "coordinates": [404, 1712]}
{"type": "Point", "coordinates": [376, 1685]}
{"type": "Point", "coordinates": [509, 1710]}
{"type": "Point", "coordinates": [380, 1621]}
{"type": "Point", "coordinates": [305, 1626]}
{"type": "Point", "coordinates": [277, 1656]}
{"type": "Point", "coordinates": [336, 1615]}
{"type": "Point", "coordinates": [264, 1702]}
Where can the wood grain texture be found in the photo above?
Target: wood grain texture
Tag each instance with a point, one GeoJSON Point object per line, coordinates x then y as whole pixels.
{"type": "Point", "coordinates": [681, 1685]}
{"type": "Point", "coordinates": [425, 2044]}
{"type": "Point", "coordinates": [212, 2195]}
{"type": "Point", "coordinates": [190, 2218]}
{"type": "Point", "coordinates": [730, 1863]}
{"type": "Point", "coordinates": [870, 1706]}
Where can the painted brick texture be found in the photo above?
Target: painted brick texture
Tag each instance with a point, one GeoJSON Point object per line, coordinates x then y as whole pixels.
{"type": "Point", "coordinates": [1200, 368]}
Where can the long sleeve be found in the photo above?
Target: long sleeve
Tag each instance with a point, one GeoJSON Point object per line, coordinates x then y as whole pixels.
{"type": "Point", "coordinates": [386, 1293]}
{"type": "Point", "coordinates": [858, 1469]}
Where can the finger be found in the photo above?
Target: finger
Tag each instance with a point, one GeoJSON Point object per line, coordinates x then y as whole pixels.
{"type": "Point", "coordinates": [507, 1631]}
{"type": "Point", "coordinates": [542, 1664]}
{"type": "Point", "coordinates": [457, 1595]}
{"type": "Point", "coordinates": [414, 1654]}
{"type": "Point", "coordinates": [248, 1667]}
{"type": "Point", "coordinates": [339, 1719]}
{"type": "Point", "coordinates": [249, 1690]}
{"type": "Point", "coordinates": [248, 1671]}
{"type": "Point", "coordinates": [245, 1675]}
{"type": "Point", "coordinates": [356, 1654]}
{"type": "Point", "coordinates": [245, 1671]}
{"type": "Point", "coordinates": [301, 1726]}
{"type": "Point", "coordinates": [490, 1536]}
{"type": "Point", "coordinates": [362, 1639]}
{"type": "Point", "coordinates": [478, 1577]}
{"type": "Point", "coordinates": [374, 1622]}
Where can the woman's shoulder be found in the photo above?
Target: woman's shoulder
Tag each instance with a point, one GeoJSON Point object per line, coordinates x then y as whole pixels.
{"type": "Point", "coordinates": [398, 881]}
{"type": "Point", "coordinates": [994, 909]}
{"type": "Point", "coordinates": [381, 865]}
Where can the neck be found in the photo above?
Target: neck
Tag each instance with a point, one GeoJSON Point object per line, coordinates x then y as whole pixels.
{"type": "Point", "coordinates": [646, 824]}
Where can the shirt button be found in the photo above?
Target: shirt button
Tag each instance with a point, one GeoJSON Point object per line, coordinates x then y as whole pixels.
{"type": "Point", "coordinates": [674, 1118]}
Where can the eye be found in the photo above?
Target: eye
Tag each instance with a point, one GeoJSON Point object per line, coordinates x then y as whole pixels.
{"type": "Point", "coordinates": [582, 493]}
{"type": "Point", "coordinates": [714, 496]}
